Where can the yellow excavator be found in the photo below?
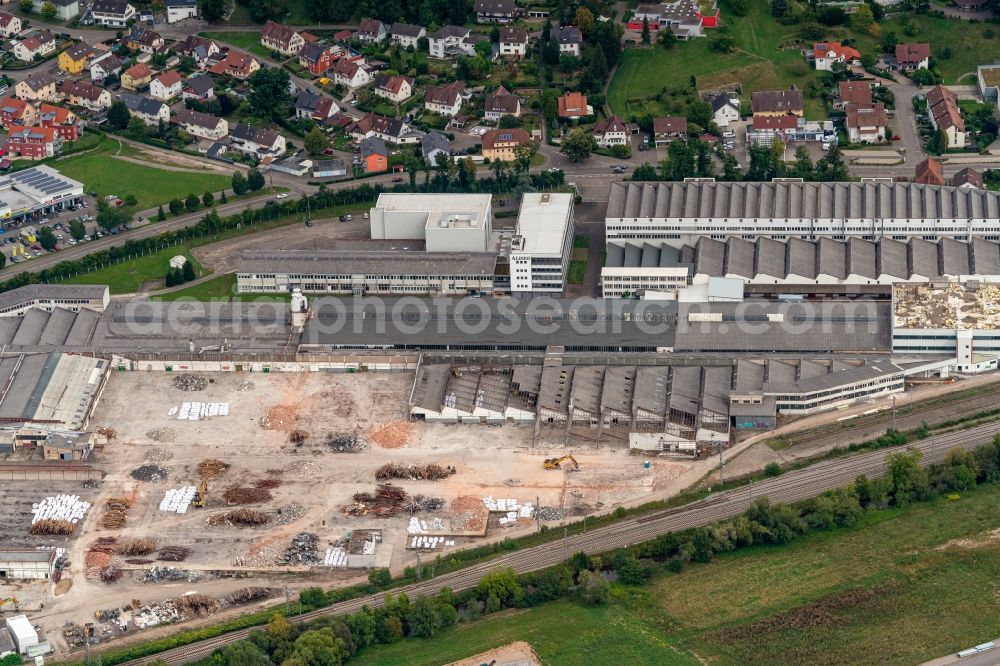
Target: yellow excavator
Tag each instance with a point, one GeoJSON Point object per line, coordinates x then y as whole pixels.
{"type": "Point", "coordinates": [555, 463]}
{"type": "Point", "coordinates": [10, 600]}
{"type": "Point", "coordinates": [201, 495]}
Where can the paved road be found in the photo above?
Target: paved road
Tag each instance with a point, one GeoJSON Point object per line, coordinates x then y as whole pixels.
{"type": "Point", "coordinates": [790, 487]}
{"type": "Point", "coordinates": [986, 658]}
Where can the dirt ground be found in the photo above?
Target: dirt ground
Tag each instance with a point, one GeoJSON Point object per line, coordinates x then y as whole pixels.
{"type": "Point", "coordinates": [519, 653]}
{"type": "Point", "coordinates": [254, 439]}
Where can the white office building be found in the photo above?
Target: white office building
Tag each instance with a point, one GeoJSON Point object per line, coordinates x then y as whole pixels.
{"type": "Point", "coordinates": [542, 243]}
{"type": "Point", "coordinates": [446, 222]}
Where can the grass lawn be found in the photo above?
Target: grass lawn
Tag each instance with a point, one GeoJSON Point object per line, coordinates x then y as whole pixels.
{"type": "Point", "coordinates": [581, 241]}
{"type": "Point", "coordinates": [243, 40]}
{"type": "Point", "coordinates": [218, 288]}
{"type": "Point", "coordinates": [885, 592]}
{"type": "Point", "coordinates": [127, 277]}
{"type": "Point", "coordinates": [577, 271]}
{"type": "Point", "coordinates": [103, 174]}
{"type": "Point", "coordinates": [562, 633]}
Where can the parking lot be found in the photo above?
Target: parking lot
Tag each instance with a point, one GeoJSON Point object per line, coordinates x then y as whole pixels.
{"type": "Point", "coordinates": [17, 245]}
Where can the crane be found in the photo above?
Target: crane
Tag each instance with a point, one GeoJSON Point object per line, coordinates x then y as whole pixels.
{"type": "Point", "coordinates": [554, 463]}
{"type": "Point", "coordinates": [201, 495]}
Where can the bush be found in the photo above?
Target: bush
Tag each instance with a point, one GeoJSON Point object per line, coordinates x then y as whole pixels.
{"type": "Point", "coordinates": [772, 469]}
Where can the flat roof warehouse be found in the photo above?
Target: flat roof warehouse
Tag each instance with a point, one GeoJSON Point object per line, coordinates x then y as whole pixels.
{"type": "Point", "coordinates": [34, 189]}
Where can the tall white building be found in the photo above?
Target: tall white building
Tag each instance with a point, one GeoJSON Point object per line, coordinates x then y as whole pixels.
{"type": "Point", "coordinates": [543, 240]}
{"type": "Point", "coordinates": [446, 222]}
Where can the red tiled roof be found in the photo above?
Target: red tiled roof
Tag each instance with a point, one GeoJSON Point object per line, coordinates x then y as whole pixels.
{"type": "Point", "coordinates": [775, 122]}
{"type": "Point", "coordinates": [929, 172]}
{"type": "Point", "coordinates": [911, 54]}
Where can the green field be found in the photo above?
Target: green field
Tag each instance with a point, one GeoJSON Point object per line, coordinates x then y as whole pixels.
{"type": "Point", "coordinates": [577, 271]}
{"type": "Point", "coordinates": [767, 57]}
{"type": "Point", "coordinates": [248, 41]}
{"type": "Point", "coordinates": [562, 633]}
{"type": "Point", "coordinates": [100, 172]}
{"type": "Point", "coordinates": [127, 277]}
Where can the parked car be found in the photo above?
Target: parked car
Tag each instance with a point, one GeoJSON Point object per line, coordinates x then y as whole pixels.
{"type": "Point", "coordinates": [281, 196]}
{"type": "Point", "coordinates": [397, 180]}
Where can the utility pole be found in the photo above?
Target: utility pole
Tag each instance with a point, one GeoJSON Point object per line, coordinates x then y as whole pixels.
{"type": "Point", "coordinates": [538, 518]}
{"type": "Point", "coordinates": [288, 610]}
{"type": "Point", "coordinates": [893, 413]}
{"type": "Point", "coordinates": [721, 480]}
{"type": "Point", "coordinates": [565, 542]}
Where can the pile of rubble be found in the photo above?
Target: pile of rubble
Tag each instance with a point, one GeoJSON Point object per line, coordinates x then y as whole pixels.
{"type": "Point", "coordinates": [51, 527]}
{"type": "Point", "coordinates": [173, 553]}
{"type": "Point", "coordinates": [135, 547]}
{"type": "Point", "coordinates": [157, 455]}
{"type": "Point", "coordinates": [240, 518]}
{"type": "Point", "coordinates": [107, 432]}
{"type": "Point", "coordinates": [244, 385]}
{"type": "Point", "coordinates": [156, 614]}
{"type": "Point", "coordinates": [243, 495]}
{"type": "Point", "coordinates": [211, 468]}
{"type": "Point", "coordinates": [267, 484]}
{"type": "Point", "coordinates": [304, 549]}
{"type": "Point", "coordinates": [189, 382]}
{"type": "Point", "coordinates": [279, 417]}
{"type": "Point", "coordinates": [431, 472]}
{"type": "Point", "coordinates": [298, 437]}
{"type": "Point", "coordinates": [350, 443]}
{"type": "Point", "coordinates": [385, 502]}
{"type": "Point", "coordinates": [289, 513]}
{"type": "Point", "coordinates": [304, 467]}
{"type": "Point", "coordinates": [115, 513]}
{"type": "Point", "coordinates": [162, 574]}
{"type": "Point", "coordinates": [581, 509]}
{"type": "Point", "coordinates": [150, 473]}
{"type": "Point", "coordinates": [199, 605]}
{"type": "Point", "coordinates": [468, 521]}
{"type": "Point", "coordinates": [420, 503]}
{"type": "Point", "coordinates": [164, 435]}
{"type": "Point", "coordinates": [99, 554]}
{"type": "Point", "coordinates": [248, 595]}
{"type": "Point", "coordinates": [393, 435]}
{"type": "Point", "coordinates": [549, 513]}
{"type": "Point", "coordinates": [259, 558]}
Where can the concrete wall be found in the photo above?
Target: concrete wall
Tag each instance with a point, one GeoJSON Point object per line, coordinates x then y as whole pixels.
{"type": "Point", "coordinates": [402, 225]}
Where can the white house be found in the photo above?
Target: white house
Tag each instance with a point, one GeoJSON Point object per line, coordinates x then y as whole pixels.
{"type": "Point", "coordinates": [150, 111]}
{"type": "Point", "coordinates": [501, 103]}
{"type": "Point", "coordinates": [178, 10]}
{"type": "Point", "coordinates": [725, 110]}
{"type": "Point", "coordinates": [826, 54]}
{"type": "Point", "coordinates": [105, 66]}
{"type": "Point", "coordinates": [406, 34]}
{"type": "Point", "coordinates": [10, 25]}
{"type": "Point", "coordinates": [203, 125]}
{"type": "Point", "coordinates": [371, 31]}
{"type": "Point", "coordinates": [866, 122]}
{"type": "Point", "coordinates": [351, 73]}
{"type": "Point", "coordinates": [396, 89]}
{"type": "Point", "coordinates": [255, 141]}
{"type": "Point", "coordinates": [449, 42]}
{"type": "Point", "coordinates": [569, 39]}
{"type": "Point", "coordinates": [513, 42]}
{"type": "Point", "coordinates": [942, 107]}
{"type": "Point", "coordinates": [112, 13]}
{"type": "Point", "coordinates": [166, 86]}
{"type": "Point", "coordinates": [40, 44]}
{"type": "Point", "coordinates": [611, 132]}
{"type": "Point", "coordinates": [445, 100]}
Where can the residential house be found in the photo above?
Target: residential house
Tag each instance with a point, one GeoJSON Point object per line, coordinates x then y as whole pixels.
{"type": "Point", "coordinates": [929, 172]}
{"type": "Point", "coordinates": [39, 44]}
{"type": "Point", "coordinates": [10, 25]}
{"type": "Point", "coordinates": [501, 103]}
{"type": "Point", "coordinates": [90, 97]}
{"type": "Point", "coordinates": [853, 92]}
{"type": "Point", "coordinates": [137, 77]}
{"type": "Point", "coordinates": [351, 73]}
{"type": "Point", "coordinates": [495, 11]}
{"type": "Point", "coordinates": [38, 87]}
{"type": "Point", "coordinates": [574, 105]}
{"type": "Point", "coordinates": [433, 144]}
{"type": "Point", "coordinates": [279, 37]}
{"type": "Point", "coordinates": [569, 39]}
{"type": "Point", "coordinates": [445, 100]}
{"type": "Point", "coordinates": [393, 130]}
{"type": "Point", "coordinates": [826, 54]}
{"type": "Point", "coordinates": [105, 66]}
{"type": "Point", "coordinates": [179, 10]}
{"type": "Point", "coordinates": [725, 110]}
{"type": "Point", "coordinates": [777, 103]}
{"type": "Point", "coordinates": [513, 43]}
{"type": "Point", "coordinates": [406, 35]}
{"type": "Point", "coordinates": [396, 89]}
{"type": "Point", "coordinates": [318, 58]}
{"type": "Point", "coordinates": [32, 143]}
{"type": "Point", "coordinates": [256, 141]}
{"type": "Point", "coordinates": [374, 155]}
{"type": "Point", "coordinates": [312, 106]}
{"type": "Point", "coordinates": [968, 178]}
{"type": "Point", "coordinates": [66, 10]}
{"type": "Point", "coordinates": [329, 169]}
{"type": "Point", "coordinates": [611, 132]}
{"type": "Point", "coordinates": [910, 57]}
{"type": "Point", "coordinates": [76, 58]}
{"type": "Point", "coordinates": [765, 130]}
{"type": "Point", "coordinates": [236, 64]}
{"type": "Point", "coordinates": [16, 113]}
{"type": "Point", "coordinates": [61, 119]}
{"type": "Point", "coordinates": [371, 31]}
{"type": "Point", "coordinates": [199, 48]}
{"type": "Point", "coordinates": [166, 86]}
{"type": "Point", "coordinates": [867, 123]}
{"type": "Point", "coordinates": [201, 125]}
{"type": "Point", "coordinates": [199, 87]}
{"type": "Point", "coordinates": [502, 144]}
{"type": "Point", "coordinates": [945, 116]}
{"type": "Point", "coordinates": [111, 13]}
{"type": "Point", "coordinates": [669, 128]}
{"type": "Point", "coordinates": [143, 40]}
{"type": "Point", "coordinates": [150, 111]}
{"type": "Point", "coordinates": [449, 42]}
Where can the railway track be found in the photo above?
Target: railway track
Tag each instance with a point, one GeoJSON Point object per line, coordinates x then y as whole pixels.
{"type": "Point", "coordinates": [789, 487]}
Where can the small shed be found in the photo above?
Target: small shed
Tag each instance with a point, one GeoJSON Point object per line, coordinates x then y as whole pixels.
{"type": "Point", "coordinates": [22, 632]}
{"type": "Point", "coordinates": [178, 261]}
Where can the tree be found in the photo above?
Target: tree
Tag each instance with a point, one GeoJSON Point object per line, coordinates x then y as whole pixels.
{"type": "Point", "coordinates": [889, 42]}
{"type": "Point", "coordinates": [49, 11]}
{"type": "Point", "coordinates": [77, 230]}
{"type": "Point", "coordinates": [136, 128]}
{"type": "Point", "coordinates": [680, 161]}
{"type": "Point", "coordinates": [192, 202]}
{"type": "Point", "coordinates": [630, 572]}
{"type": "Point", "coordinates": [502, 584]}
{"type": "Point", "coordinates": [160, 215]}
{"type": "Point", "coordinates": [723, 44]}
{"type": "Point", "coordinates": [3, 259]}
{"type": "Point", "coordinates": [239, 183]}
{"type": "Point", "coordinates": [130, 200]}
{"type": "Point", "coordinates": [244, 653]}
{"type": "Point", "coordinates": [737, 7]}
{"type": "Point", "coordinates": [222, 197]}
{"type": "Point", "coordinates": [772, 469]}
{"type": "Point", "coordinates": [584, 20]}
{"type": "Point", "coordinates": [318, 647]}
{"type": "Point", "coordinates": [667, 39]}
{"type": "Point", "coordinates": [176, 206]}
{"type": "Point", "coordinates": [607, 38]}
{"type": "Point", "coordinates": [110, 217]}
{"type": "Point", "coordinates": [118, 115]}
{"type": "Point", "coordinates": [188, 271]}
{"type": "Point", "coordinates": [47, 239]}
{"type": "Point", "coordinates": [27, 6]}
{"type": "Point", "coordinates": [863, 20]}
{"type": "Point", "coordinates": [423, 620]}
{"type": "Point", "coordinates": [255, 180]}
{"type": "Point", "coordinates": [213, 11]}
{"type": "Point", "coordinates": [578, 145]}
{"type": "Point", "coordinates": [174, 277]}
{"type": "Point", "coordinates": [269, 94]}
{"type": "Point", "coordinates": [803, 167]}
{"type": "Point", "coordinates": [907, 479]}
{"type": "Point", "coordinates": [315, 141]}
{"type": "Point", "coordinates": [594, 588]}
{"type": "Point", "coordinates": [380, 577]}
{"type": "Point", "coordinates": [645, 31]}
{"type": "Point", "coordinates": [779, 8]}
{"type": "Point", "coordinates": [831, 167]}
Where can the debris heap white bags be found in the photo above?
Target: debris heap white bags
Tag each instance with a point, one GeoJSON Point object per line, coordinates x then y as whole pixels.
{"type": "Point", "coordinates": [177, 500]}
{"type": "Point", "coordinates": [335, 557]}
{"type": "Point", "coordinates": [511, 507]}
{"type": "Point", "coordinates": [195, 411]}
{"type": "Point", "coordinates": [60, 507]}
{"type": "Point", "coordinates": [429, 542]}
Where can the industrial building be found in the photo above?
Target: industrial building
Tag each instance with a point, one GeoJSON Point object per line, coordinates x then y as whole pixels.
{"type": "Point", "coordinates": [636, 267]}
{"type": "Point", "coordinates": [677, 214]}
{"type": "Point", "coordinates": [674, 405]}
{"type": "Point", "coordinates": [50, 390]}
{"type": "Point", "coordinates": [38, 189]}
{"type": "Point", "coordinates": [26, 563]}
{"type": "Point", "coordinates": [542, 242]}
{"type": "Point", "coordinates": [16, 302]}
{"type": "Point", "coordinates": [445, 222]}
